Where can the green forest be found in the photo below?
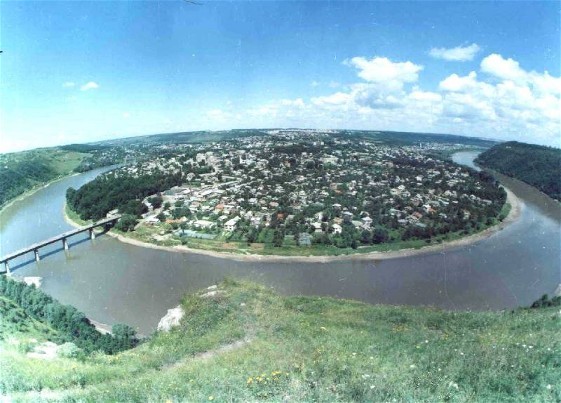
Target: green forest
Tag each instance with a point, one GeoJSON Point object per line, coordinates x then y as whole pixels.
{"type": "Point", "coordinates": [96, 198]}
{"type": "Point", "coordinates": [71, 325]}
{"type": "Point", "coordinates": [538, 166]}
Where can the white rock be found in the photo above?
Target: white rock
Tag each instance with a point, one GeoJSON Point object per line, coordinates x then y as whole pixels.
{"type": "Point", "coordinates": [211, 294]}
{"type": "Point", "coordinates": [171, 319]}
{"type": "Point", "coordinates": [33, 280]}
{"type": "Point", "coordinates": [212, 287]}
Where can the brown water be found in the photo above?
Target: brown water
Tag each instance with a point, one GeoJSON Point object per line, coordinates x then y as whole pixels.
{"type": "Point", "coordinates": [115, 282]}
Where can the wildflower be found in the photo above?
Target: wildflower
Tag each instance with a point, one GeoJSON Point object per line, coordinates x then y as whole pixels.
{"type": "Point", "coordinates": [323, 328]}
{"type": "Point", "coordinates": [211, 397]}
{"type": "Point", "coordinates": [548, 387]}
{"type": "Point", "coordinates": [412, 366]}
{"type": "Point", "coordinates": [249, 380]}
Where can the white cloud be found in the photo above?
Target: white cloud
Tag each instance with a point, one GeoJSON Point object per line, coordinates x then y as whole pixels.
{"type": "Point", "coordinates": [505, 103]}
{"type": "Point", "coordinates": [339, 98]}
{"type": "Point", "coordinates": [126, 115]}
{"type": "Point", "coordinates": [91, 85]}
{"type": "Point", "coordinates": [505, 69]}
{"type": "Point", "coordinates": [314, 84]}
{"type": "Point", "coordinates": [383, 70]}
{"type": "Point", "coordinates": [457, 54]}
{"type": "Point", "coordinates": [68, 84]}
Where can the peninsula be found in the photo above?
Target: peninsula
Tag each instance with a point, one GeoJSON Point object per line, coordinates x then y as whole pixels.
{"type": "Point", "coordinates": [296, 193]}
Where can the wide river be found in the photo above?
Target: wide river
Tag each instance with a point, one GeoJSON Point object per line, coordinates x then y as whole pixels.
{"type": "Point", "coordinates": [115, 282]}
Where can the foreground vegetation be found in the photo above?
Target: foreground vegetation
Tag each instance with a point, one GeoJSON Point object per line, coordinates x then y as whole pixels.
{"type": "Point", "coordinates": [68, 324]}
{"type": "Point", "coordinates": [243, 342]}
{"type": "Point", "coordinates": [538, 166]}
{"type": "Point", "coordinates": [21, 172]}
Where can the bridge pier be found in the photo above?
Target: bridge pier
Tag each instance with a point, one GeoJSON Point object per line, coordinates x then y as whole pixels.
{"type": "Point", "coordinates": [7, 266]}
{"type": "Point", "coordinates": [92, 234]}
{"type": "Point", "coordinates": [37, 257]}
{"type": "Point", "coordinates": [65, 243]}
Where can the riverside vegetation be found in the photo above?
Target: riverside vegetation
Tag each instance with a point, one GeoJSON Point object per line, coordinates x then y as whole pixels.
{"type": "Point", "coordinates": [65, 321]}
{"type": "Point", "coordinates": [538, 166]}
{"type": "Point", "coordinates": [243, 342]}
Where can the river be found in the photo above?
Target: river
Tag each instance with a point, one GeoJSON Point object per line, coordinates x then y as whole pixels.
{"type": "Point", "coordinates": [114, 282]}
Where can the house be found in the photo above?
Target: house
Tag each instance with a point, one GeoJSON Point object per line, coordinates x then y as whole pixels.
{"type": "Point", "coordinates": [317, 227]}
{"type": "Point", "coordinates": [366, 222]}
{"type": "Point", "coordinates": [337, 229]}
{"type": "Point", "coordinates": [347, 216]}
{"type": "Point", "coordinates": [203, 224]}
{"type": "Point", "coordinates": [304, 239]}
{"type": "Point", "coordinates": [231, 225]}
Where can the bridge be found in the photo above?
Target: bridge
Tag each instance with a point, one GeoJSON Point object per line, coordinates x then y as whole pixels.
{"type": "Point", "coordinates": [106, 223]}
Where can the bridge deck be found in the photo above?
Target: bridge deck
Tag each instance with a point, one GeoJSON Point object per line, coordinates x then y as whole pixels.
{"type": "Point", "coordinates": [57, 238]}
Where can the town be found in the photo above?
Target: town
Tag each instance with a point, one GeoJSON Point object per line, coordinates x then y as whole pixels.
{"type": "Point", "coordinates": [304, 188]}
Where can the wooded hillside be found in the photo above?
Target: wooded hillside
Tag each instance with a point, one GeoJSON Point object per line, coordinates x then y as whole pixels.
{"type": "Point", "coordinates": [538, 166]}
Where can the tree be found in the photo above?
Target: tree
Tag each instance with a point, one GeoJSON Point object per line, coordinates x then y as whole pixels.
{"type": "Point", "coordinates": [127, 223]}
{"type": "Point", "coordinates": [124, 336]}
{"type": "Point", "coordinates": [156, 201]}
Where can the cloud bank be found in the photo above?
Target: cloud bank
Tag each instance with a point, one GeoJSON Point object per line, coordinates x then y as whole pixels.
{"type": "Point", "coordinates": [501, 100]}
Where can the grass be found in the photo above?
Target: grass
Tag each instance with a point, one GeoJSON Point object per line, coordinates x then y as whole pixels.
{"type": "Point", "coordinates": [312, 349]}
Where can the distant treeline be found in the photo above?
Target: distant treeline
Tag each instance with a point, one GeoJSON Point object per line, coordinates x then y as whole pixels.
{"type": "Point", "coordinates": [67, 320]}
{"type": "Point", "coordinates": [18, 177]}
{"type": "Point", "coordinates": [538, 166]}
{"type": "Point", "coordinates": [96, 198]}
{"type": "Point", "coordinates": [84, 148]}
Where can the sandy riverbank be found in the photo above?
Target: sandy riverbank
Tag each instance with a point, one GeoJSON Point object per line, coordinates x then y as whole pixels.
{"type": "Point", "coordinates": [514, 213]}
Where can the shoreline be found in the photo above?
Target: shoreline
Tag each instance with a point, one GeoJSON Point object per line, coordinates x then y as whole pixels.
{"type": "Point", "coordinates": [513, 215]}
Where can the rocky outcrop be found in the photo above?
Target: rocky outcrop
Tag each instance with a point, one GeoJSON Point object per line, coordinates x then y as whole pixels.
{"type": "Point", "coordinates": [36, 281]}
{"type": "Point", "coordinates": [171, 319]}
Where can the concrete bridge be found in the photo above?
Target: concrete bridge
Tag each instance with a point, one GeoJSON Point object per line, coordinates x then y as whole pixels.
{"type": "Point", "coordinates": [106, 223]}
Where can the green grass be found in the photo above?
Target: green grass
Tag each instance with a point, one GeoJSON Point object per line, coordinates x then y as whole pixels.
{"type": "Point", "coordinates": [312, 349]}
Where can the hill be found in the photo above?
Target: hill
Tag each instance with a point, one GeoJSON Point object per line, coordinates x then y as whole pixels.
{"type": "Point", "coordinates": [538, 166]}
{"type": "Point", "coordinates": [242, 342]}
{"type": "Point", "coordinates": [22, 171]}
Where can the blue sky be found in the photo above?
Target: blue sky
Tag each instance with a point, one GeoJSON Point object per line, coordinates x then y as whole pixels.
{"type": "Point", "coordinates": [82, 71]}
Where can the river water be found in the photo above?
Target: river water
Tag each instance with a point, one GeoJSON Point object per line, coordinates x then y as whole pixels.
{"type": "Point", "coordinates": [114, 282]}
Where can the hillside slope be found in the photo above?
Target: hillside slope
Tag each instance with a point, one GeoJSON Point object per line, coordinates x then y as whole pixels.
{"type": "Point", "coordinates": [22, 171]}
{"type": "Point", "coordinates": [243, 342]}
{"type": "Point", "coordinates": [538, 166]}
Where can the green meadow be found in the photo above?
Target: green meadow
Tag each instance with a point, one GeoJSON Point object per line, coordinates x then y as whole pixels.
{"type": "Point", "coordinates": [245, 342]}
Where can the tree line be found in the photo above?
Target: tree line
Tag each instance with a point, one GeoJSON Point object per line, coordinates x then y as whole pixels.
{"type": "Point", "coordinates": [107, 192]}
{"type": "Point", "coordinates": [538, 166]}
{"type": "Point", "coordinates": [67, 320]}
